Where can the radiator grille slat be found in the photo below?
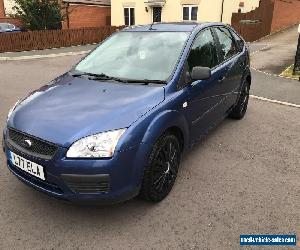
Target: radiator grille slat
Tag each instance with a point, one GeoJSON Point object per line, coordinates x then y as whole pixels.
{"type": "Point", "coordinates": [39, 147]}
{"type": "Point", "coordinates": [88, 187]}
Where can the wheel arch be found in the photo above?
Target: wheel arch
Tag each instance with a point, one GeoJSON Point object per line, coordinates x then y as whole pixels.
{"type": "Point", "coordinates": [176, 131]}
{"type": "Point", "coordinates": [169, 121]}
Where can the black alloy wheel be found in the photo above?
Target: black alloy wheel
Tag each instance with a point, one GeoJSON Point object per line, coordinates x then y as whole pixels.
{"type": "Point", "coordinates": [161, 173]}
{"type": "Point", "coordinates": [240, 109]}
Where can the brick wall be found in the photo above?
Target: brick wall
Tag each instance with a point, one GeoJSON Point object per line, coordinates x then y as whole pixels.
{"type": "Point", "coordinates": [87, 16]}
{"type": "Point", "coordinates": [2, 14]}
{"type": "Point", "coordinates": [286, 13]}
{"type": "Point", "coordinates": [14, 21]}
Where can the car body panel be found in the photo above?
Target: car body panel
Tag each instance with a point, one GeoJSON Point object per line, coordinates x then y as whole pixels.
{"type": "Point", "coordinates": [82, 111]}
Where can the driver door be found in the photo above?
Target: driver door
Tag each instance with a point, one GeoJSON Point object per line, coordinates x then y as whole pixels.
{"type": "Point", "coordinates": [204, 95]}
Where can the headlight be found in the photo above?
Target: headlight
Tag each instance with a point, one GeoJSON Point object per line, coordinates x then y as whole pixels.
{"type": "Point", "coordinates": [12, 109]}
{"type": "Point", "coordinates": [100, 145]}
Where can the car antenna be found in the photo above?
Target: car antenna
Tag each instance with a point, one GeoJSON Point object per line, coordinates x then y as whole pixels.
{"type": "Point", "coordinates": [151, 25]}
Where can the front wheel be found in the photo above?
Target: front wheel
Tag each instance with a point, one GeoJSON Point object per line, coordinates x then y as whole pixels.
{"type": "Point", "coordinates": [160, 175]}
{"type": "Point", "coordinates": [240, 109]}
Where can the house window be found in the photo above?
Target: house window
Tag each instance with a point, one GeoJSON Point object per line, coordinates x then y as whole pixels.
{"type": "Point", "coordinates": [156, 14]}
{"type": "Point", "coordinates": [129, 16]}
{"type": "Point", "coordinates": [190, 12]}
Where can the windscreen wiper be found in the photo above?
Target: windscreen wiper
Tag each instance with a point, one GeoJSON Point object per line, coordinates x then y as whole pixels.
{"type": "Point", "coordinates": [146, 81]}
{"type": "Point", "coordinates": [101, 76]}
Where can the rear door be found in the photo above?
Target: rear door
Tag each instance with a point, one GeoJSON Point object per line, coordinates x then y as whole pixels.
{"type": "Point", "coordinates": [232, 66]}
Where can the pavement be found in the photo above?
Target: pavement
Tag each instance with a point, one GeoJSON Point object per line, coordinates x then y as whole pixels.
{"type": "Point", "coordinates": [242, 178]}
{"type": "Point", "coordinates": [276, 52]}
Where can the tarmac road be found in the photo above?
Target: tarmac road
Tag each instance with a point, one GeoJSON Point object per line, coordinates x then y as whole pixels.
{"type": "Point", "coordinates": [243, 178]}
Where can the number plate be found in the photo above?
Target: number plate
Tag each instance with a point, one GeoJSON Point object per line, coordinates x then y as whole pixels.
{"type": "Point", "coordinates": [27, 166]}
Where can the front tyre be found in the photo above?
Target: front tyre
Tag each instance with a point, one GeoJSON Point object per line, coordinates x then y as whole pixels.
{"type": "Point", "coordinates": [240, 109]}
{"type": "Point", "coordinates": [160, 175]}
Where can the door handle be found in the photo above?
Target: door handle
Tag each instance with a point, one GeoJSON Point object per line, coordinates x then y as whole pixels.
{"type": "Point", "coordinates": [221, 79]}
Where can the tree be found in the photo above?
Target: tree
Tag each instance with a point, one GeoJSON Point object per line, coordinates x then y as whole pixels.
{"type": "Point", "coordinates": [39, 14]}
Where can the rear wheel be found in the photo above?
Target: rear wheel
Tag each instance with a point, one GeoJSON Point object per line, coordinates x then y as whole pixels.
{"type": "Point", "coordinates": [240, 109]}
{"type": "Point", "coordinates": [161, 173]}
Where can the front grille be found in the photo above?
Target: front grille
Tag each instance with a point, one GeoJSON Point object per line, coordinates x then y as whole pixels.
{"type": "Point", "coordinates": [85, 184]}
{"type": "Point", "coordinates": [88, 188]}
{"type": "Point", "coordinates": [38, 147]}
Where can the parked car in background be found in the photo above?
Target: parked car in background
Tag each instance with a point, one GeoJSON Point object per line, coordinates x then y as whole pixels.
{"type": "Point", "coordinates": [116, 125]}
{"type": "Point", "coordinates": [8, 27]}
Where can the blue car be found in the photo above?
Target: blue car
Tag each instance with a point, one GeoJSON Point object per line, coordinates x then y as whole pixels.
{"type": "Point", "coordinates": [116, 125]}
{"type": "Point", "coordinates": [8, 27]}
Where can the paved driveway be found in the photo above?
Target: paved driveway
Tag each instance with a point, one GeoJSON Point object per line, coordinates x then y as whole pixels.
{"type": "Point", "coordinates": [277, 52]}
{"type": "Point", "coordinates": [274, 87]}
{"type": "Point", "coordinates": [243, 178]}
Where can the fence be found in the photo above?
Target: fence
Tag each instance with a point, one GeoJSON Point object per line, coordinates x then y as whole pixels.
{"type": "Point", "coordinates": [270, 16]}
{"type": "Point", "coordinates": [256, 23]}
{"type": "Point", "coordinates": [45, 39]}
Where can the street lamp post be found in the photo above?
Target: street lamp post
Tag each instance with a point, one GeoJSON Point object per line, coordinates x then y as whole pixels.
{"type": "Point", "coordinates": [297, 57]}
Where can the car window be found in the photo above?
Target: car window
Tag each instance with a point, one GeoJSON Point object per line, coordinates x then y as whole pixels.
{"type": "Point", "coordinates": [239, 41]}
{"type": "Point", "coordinates": [5, 26]}
{"type": "Point", "coordinates": [136, 55]}
{"type": "Point", "coordinates": [227, 43]}
{"type": "Point", "coordinates": [203, 52]}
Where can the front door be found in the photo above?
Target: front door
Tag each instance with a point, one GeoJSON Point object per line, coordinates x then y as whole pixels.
{"type": "Point", "coordinates": [156, 14]}
{"type": "Point", "coordinates": [204, 98]}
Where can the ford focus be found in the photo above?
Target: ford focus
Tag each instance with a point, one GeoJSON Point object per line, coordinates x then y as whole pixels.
{"type": "Point", "coordinates": [116, 125]}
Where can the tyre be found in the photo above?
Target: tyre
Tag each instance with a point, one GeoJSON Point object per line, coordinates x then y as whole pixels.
{"type": "Point", "coordinates": [161, 172]}
{"type": "Point", "coordinates": [240, 109]}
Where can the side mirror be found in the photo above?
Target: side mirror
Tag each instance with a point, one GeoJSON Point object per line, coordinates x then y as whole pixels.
{"type": "Point", "coordinates": [200, 73]}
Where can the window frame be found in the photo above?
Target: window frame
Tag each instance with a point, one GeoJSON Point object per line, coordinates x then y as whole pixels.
{"type": "Point", "coordinates": [221, 60]}
{"type": "Point", "coordinates": [190, 7]}
{"type": "Point", "coordinates": [235, 36]}
{"type": "Point", "coordinates": [182, 80]}
{"type": "Point", "coordinates": [216, 43]}
{"type": "Point", "coordinates": [129, 15]}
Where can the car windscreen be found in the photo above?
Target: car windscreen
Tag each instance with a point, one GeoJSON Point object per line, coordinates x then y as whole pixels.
{"type": "Point", "coordinates": [136, 55]}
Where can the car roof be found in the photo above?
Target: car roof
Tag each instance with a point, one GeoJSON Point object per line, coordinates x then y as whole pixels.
{"type": "Point", "coordinates": [173, 27]}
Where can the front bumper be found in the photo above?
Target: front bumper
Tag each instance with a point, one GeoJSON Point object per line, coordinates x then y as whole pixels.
{"type": "Point", "coordinates": [108, 181]}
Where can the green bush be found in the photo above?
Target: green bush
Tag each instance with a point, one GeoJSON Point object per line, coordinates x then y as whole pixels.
{"type": "Point", "coordinates": [39, 14]}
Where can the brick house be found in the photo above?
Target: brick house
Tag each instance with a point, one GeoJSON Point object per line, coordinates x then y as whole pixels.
{"type": "Point", "coordinates": [86, 13]}
{"type": "Point", "coordinates": [2, 13]}
{"type": "Point", "coordinates": [5, 10]}
{"type": "Point", "coordinates": [134, 12]}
